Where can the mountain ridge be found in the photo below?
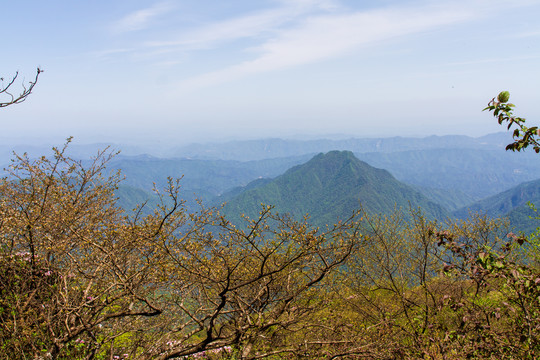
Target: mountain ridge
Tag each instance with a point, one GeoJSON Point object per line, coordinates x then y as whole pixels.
{"type": "Point", "coordinates": [329, 187]}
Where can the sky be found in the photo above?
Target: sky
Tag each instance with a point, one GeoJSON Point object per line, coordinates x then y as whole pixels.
{"type": "Point", "coordinates": [186, 71]}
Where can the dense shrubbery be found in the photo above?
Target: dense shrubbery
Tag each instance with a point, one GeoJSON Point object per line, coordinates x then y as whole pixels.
{"type": "Point", "coordinates": [80, 279]}
{"type": "Point", "coordinates": [93, 282]}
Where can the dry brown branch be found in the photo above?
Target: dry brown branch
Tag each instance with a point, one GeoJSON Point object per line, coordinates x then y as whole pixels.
{"type": "Point", "coordinates": [167, 285]}
{"type": "Point", "coordinates": [19, 96]}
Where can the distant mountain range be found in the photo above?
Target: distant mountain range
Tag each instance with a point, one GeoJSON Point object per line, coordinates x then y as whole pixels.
{"type": "Point", "coordinates": [477, 173]}
{"type": "Point", "coordinates": [457, 173]}
{"type": "Point", "coordinates": [330, 187]}
{"type": "Point", "coordinates": [276, 148]}
{"type": "Point", "coordinates": [248, 150]}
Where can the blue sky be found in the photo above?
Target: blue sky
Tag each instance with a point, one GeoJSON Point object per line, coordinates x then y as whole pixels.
{"type": "Point", "coordinates": [196, 70]}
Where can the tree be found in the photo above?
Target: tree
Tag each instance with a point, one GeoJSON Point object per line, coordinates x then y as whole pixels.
{"type": "Point", "coordinates": [17, 97]}
{"type": "Point", "coordinates": [81, 279]}
{"type": "Point", "coordinates": [455, 290]}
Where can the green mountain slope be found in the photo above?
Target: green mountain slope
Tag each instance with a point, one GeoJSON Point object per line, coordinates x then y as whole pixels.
{"type": "Point", "coordinates": [506, 201]}
{"type": "Point", "coordinates": [329, 187]}
{"type": "Point", "coordinates": [512, 204]}
{"type": "Point", "coordinates": [130, 197]}
{"type": "Point", "coordinates": [473, 172]}
{"type": "Point", "coordinates": [201, 179]}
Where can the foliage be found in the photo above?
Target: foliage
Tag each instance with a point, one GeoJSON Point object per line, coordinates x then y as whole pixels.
{"type": "Point", "coordinates": [5, 90]}
{"type": "Point", "coordinates": [523, 135]}
{"type": "Point", "coordinates": [426, 290]}
{"type": "Point", "coordinates": [80, 278]}
{"type": "Point", "coordinates": [502, 317]}
{"type": "Point", "coordinates": [83, 279]}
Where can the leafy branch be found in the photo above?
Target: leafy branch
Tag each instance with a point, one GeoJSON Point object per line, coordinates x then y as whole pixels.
{"type": "Point", "coordinates": [523, 135]}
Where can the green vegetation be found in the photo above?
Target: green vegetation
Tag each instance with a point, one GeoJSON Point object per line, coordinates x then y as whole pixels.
{"type": "Point", "coordinates": [85, 280]}
{"type": "Point", "coordinates": [81, 278]}
{"type": "Point", "coordinates": [329, 187]}
{"type": "Point", "coordinates": [513, 203]}
{"type": "Point", "coordinates": [201, 179]}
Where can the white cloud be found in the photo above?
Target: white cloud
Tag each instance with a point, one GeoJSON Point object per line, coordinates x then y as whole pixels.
{"type": "Point", "coordinates": [297, 32]}
{"type": "Point", "coordinates": [321, 37]}
{"type": "Point", "coordinates": [247, 26]}
{"type": "Point", "coordinates": [140, 19]}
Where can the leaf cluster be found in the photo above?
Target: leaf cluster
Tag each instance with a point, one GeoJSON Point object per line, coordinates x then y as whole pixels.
{"type": "Point", "coordinates": [522, 134]}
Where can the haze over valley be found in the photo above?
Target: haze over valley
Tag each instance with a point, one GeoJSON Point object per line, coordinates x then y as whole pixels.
{"type": "Point", "coordinates": [446, 176]}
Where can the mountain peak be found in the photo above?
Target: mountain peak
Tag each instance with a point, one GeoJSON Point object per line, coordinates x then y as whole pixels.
{"type": "Point", "coordinates": [330, 186]}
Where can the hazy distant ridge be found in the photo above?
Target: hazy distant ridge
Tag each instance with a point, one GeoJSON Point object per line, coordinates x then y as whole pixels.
{"type": "Point", "coordinates": [274, 148]}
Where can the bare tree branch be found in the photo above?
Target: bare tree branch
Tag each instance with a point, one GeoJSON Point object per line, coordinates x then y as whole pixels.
{"type": "Point", "coordinates": [13, 97]}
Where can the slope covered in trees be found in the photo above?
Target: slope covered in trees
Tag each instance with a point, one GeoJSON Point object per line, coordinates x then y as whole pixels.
{"type": "Point", "coordinates": [201, 179]}
{"type": "Point", "coordinates": [506, 201]}
{"type": "Point", "coordinates": [454, 171]}
{"type": "Point", "coordinates": [330, 187]}
{"type": "Point", "coordinates": [476, 173]}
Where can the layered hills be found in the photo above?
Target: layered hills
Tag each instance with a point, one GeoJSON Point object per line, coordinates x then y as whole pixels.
{"type": "Point", "coordinates": [512, 203]}
{"type": "Point", "coordinates": [201, 179]}
{"type": "Point", "coordinates": [329, 187]}
{"type": "Point", "coordinates": [459, 173]}
{"type": "Point", "coordinates": [477, 173]}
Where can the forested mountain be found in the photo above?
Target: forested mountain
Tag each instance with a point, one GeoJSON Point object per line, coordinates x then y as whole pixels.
{"type": "Point", "coordinates": [475, 173]}
{"type": "Point", "coordinates": [453, 171]}
{"type": "Point", "coordinates": [453, 178]}
{"type": "Point", "coordinates": [506, 201]}
{"type": "Point", "coordinates": [329, 187]}
{"type": "Point", "coordinates": [512, 203]}
{"type": "Point", "coordinates": [201, 179]}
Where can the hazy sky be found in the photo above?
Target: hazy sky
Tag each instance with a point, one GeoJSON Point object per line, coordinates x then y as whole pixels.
{"type": "Point", "coordinates": [118, 70]}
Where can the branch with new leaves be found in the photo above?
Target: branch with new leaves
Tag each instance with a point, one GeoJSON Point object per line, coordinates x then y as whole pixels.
{"type": "Point", "coordinates": [523, 135]}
